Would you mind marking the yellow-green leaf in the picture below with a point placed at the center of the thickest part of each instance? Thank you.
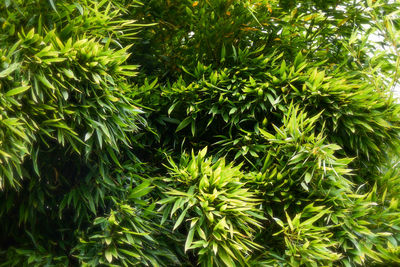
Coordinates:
(17, 90)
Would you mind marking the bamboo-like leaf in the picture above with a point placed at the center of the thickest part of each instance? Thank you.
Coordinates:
(180, 218)
(189, 238)
(10, 69)
(108, 255)
(183, 124)
(17, 90)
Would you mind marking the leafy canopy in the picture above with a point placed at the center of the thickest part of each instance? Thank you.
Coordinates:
(211, 133)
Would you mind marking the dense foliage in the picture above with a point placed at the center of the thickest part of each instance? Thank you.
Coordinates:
(211, 133)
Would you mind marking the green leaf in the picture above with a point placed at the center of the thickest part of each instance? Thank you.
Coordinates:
(17, 90)
(225, 258)
(9, 70)
(46, 82)
(53, 5)
(108, 255)
(180, 218)
(184, 123)
(129, 253)
(113, 156)
(141, 190)
(307, 177)
(266, 134)
(223, 53)
(189, 238)
(171, 108)
(69, 73)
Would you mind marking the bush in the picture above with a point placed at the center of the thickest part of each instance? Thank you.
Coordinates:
(65, 118)
(287, 109)
(222, 212)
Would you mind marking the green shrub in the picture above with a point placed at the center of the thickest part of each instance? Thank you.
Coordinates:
(64, 119)
(286, 106)
(221, 213)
